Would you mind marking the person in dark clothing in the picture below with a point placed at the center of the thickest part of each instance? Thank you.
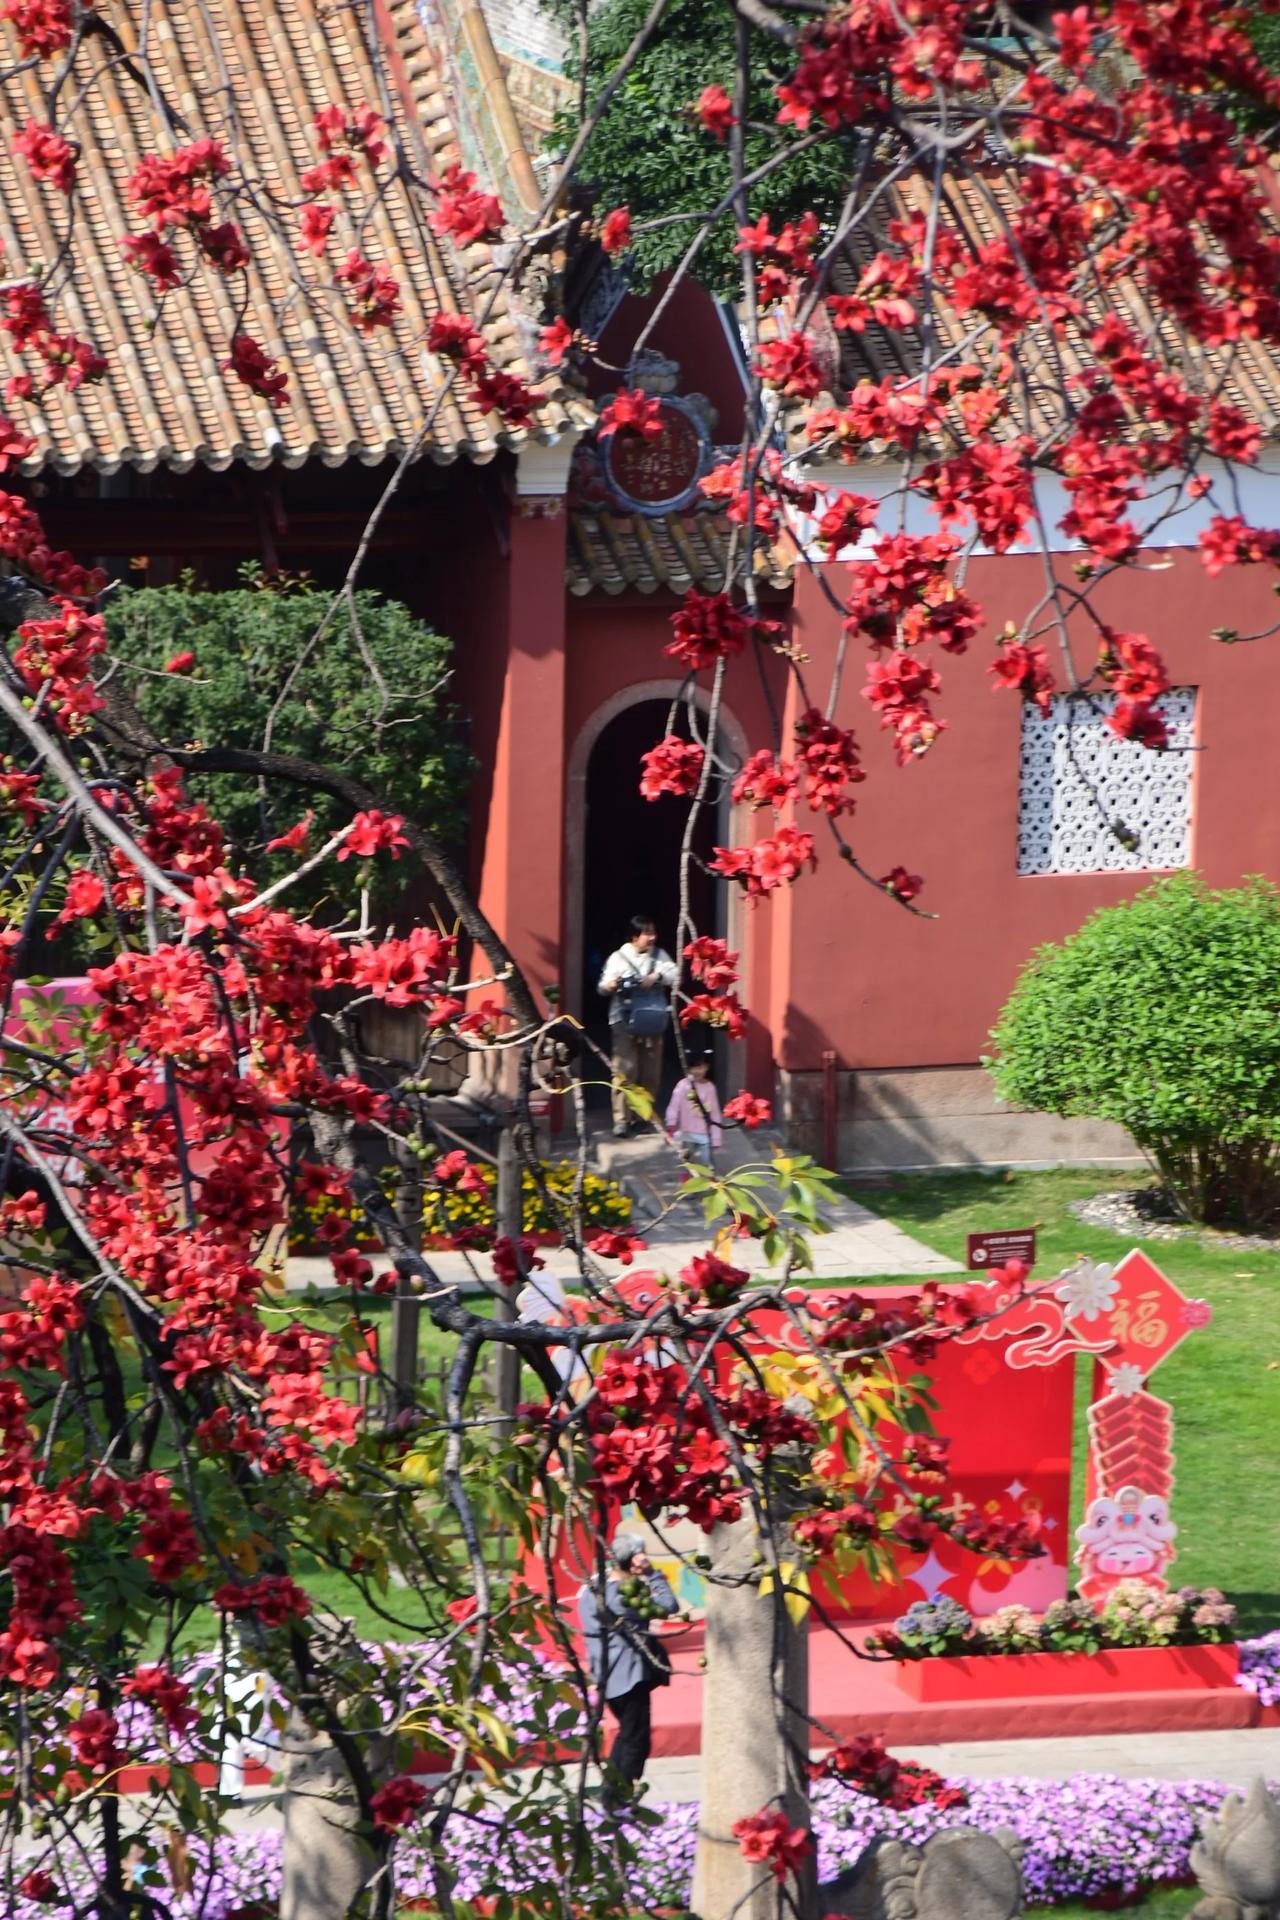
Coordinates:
(625, 1661)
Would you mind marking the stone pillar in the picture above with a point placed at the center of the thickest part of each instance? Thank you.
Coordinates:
(755, 1733)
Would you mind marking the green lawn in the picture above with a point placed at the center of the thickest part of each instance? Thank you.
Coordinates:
(1158, 1906)
(1223, 1383)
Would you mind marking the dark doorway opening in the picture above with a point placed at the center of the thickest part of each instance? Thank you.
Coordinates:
(631, 857)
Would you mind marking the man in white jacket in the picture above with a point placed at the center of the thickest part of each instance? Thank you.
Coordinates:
(640, 967)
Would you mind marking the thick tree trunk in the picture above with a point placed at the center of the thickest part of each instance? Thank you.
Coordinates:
(326, 1862)
(755, 1734)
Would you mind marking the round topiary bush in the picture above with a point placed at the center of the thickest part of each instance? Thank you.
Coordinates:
(1164, 1015)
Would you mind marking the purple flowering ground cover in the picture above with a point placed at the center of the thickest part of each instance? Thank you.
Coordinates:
(1091, 1834)
(1088, 1835)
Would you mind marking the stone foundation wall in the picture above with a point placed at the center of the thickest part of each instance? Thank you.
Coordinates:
(927, 1117)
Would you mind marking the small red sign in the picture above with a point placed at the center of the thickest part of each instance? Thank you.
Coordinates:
(997, 1249)
(656, 473)
(1147, 1316)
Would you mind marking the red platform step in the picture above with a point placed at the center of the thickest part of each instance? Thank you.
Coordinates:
(849, 1695)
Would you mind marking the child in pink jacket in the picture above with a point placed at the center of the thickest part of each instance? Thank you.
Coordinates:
(693, 1111)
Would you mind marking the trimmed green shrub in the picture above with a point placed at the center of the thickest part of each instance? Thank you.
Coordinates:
(1164, 1014)
(366, 699)
(652, 155)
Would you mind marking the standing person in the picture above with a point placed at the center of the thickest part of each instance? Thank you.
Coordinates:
(693, 1111)
(637, 981)
(626, 1662)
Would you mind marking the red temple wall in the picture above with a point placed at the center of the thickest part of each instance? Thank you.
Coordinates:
(884, 988)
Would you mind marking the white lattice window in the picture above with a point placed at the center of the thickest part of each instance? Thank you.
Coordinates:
(1091, 803)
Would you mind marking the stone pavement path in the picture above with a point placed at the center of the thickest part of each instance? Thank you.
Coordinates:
(1234, 1756)
(860, 1245)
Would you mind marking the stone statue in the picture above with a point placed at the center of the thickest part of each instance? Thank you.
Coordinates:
(1237, 1859)
(958, 1872)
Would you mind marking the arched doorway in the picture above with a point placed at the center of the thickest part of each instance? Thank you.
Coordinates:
(624, 850)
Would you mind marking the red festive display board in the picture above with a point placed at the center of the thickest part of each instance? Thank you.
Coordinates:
(1004, 1397)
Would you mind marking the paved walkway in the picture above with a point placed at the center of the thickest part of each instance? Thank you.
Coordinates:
(860, 1246)
(1235, 1758)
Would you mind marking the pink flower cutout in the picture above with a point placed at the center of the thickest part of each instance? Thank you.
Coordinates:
(1196, 1313)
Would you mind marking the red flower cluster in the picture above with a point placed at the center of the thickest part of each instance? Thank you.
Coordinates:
(462, 211)
(884, 295)
(615, 231)
(630, 411)
(166, 1693)
(175, 193)
(898, 688)
(93, 1740)
(343, 138)
(712, 1282)
(769, 1839)
(714, 109)
(1024, 668)
(715, 1010)
(904, 595)
(769, 863)
(750, 1109)
(373, 832)
(865, 1765)
(711, 962)
(614, 1243)
(67, 360)
(48, 155)
(707, 627)
(902, 885)
(375, 292)
(674, 766)
(394, 1805)
(255, 369)
(55, 656)
(828, 764)
(43, 27)
(766, 780)
(272, 1599)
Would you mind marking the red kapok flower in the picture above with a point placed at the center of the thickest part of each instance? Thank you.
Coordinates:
(715, 110)
(397, 1802)
(901, 884)
(180, 662)
(630, 411)
(314, 223)
(673, 766)
(770, 1839)
(373, 832)
(615, 233)
(751, 1109)
(555, 341)
(48, 155)
(256, 370)
(707, 628)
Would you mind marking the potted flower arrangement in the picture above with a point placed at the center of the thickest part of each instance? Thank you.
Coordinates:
(459, 1209)
(1141, 1641)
